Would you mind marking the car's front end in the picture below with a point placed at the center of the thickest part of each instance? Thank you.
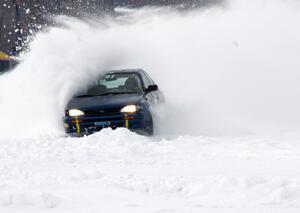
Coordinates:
(86, 121)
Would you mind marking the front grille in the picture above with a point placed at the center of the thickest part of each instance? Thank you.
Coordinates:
(102, 112)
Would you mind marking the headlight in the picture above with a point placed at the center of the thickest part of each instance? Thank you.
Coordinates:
(129, 109)
(75, 112)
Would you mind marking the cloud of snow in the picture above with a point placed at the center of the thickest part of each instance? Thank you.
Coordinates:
(232, 69)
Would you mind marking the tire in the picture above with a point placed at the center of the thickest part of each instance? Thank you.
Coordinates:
(150, 129)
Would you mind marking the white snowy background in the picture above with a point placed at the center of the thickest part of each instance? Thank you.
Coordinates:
(228, 139)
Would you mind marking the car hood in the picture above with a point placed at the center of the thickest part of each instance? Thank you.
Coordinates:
(104, 102)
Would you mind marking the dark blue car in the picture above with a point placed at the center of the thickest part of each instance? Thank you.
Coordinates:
(121, 98)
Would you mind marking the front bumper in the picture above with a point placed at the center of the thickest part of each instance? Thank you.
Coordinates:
(89, 124)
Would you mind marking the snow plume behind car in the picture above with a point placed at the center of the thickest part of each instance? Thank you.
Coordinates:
(228, 69)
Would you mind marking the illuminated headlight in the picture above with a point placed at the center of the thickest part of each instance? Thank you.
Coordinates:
(129, 109)
(75, 112)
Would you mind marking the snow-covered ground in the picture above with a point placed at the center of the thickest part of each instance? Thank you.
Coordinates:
(118, 171)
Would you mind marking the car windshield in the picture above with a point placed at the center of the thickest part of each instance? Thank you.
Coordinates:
(115, 83)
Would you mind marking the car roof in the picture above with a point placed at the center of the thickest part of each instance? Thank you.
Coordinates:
(126, 71)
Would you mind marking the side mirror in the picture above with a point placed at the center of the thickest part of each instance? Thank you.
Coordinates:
(151, 88)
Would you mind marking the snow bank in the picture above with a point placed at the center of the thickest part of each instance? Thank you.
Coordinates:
(116, 171)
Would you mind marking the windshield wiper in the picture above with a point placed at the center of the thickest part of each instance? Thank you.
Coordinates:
(108, 93)
(84, 96)
(116, 93)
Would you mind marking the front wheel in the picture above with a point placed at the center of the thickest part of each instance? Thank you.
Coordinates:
(149, 128)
